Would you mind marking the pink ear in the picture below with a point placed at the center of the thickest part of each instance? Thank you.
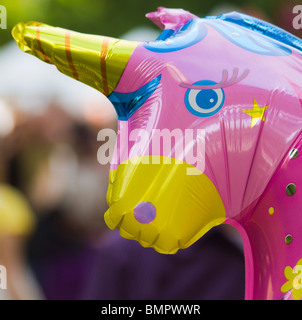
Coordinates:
(170, 18)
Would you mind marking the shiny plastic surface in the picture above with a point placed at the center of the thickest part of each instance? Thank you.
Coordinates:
(220, 97)
(95, 60)
(274, 234)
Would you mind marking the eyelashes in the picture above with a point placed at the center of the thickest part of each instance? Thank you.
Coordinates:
(222, 84)
(205, 98)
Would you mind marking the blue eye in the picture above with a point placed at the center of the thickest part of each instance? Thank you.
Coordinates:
(204, 103)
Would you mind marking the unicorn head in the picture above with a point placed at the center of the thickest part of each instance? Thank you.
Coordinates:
(207, 114)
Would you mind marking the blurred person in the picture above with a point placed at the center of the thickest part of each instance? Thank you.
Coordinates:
(63, 247)
(17, 222)
(16, 225)
(51, 157)
(26, 152)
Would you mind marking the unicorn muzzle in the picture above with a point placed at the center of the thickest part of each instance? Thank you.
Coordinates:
(94, 60)
(160, 205)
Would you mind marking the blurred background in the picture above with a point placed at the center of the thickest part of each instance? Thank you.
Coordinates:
(53, 240)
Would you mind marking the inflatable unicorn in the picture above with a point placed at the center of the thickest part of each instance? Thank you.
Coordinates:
(228, 89)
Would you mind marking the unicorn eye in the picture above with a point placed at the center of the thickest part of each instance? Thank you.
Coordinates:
(204, 103)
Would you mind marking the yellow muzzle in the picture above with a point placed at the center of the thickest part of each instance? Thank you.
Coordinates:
(160, 205)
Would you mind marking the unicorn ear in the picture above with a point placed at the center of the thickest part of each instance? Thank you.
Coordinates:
(94, 60)
(170, 18)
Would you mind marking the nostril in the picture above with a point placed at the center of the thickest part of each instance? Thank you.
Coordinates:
(144, 212)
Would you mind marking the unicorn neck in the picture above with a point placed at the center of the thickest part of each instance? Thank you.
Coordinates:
(271, 229)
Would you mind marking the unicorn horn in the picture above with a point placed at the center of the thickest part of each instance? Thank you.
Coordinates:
(94, 60)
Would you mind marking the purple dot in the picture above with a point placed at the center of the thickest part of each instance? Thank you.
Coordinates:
(144, 212)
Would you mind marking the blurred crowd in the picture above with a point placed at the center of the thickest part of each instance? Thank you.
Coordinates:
(48, 160)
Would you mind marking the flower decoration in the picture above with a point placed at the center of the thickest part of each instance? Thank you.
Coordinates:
(294, 283)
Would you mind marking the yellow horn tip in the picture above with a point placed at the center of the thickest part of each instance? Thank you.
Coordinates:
(94, 60)
(17, 33)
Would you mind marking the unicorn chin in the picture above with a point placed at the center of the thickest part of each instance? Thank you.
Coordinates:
(136, 207)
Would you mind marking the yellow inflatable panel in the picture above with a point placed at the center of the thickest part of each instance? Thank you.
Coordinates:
(142, 198)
